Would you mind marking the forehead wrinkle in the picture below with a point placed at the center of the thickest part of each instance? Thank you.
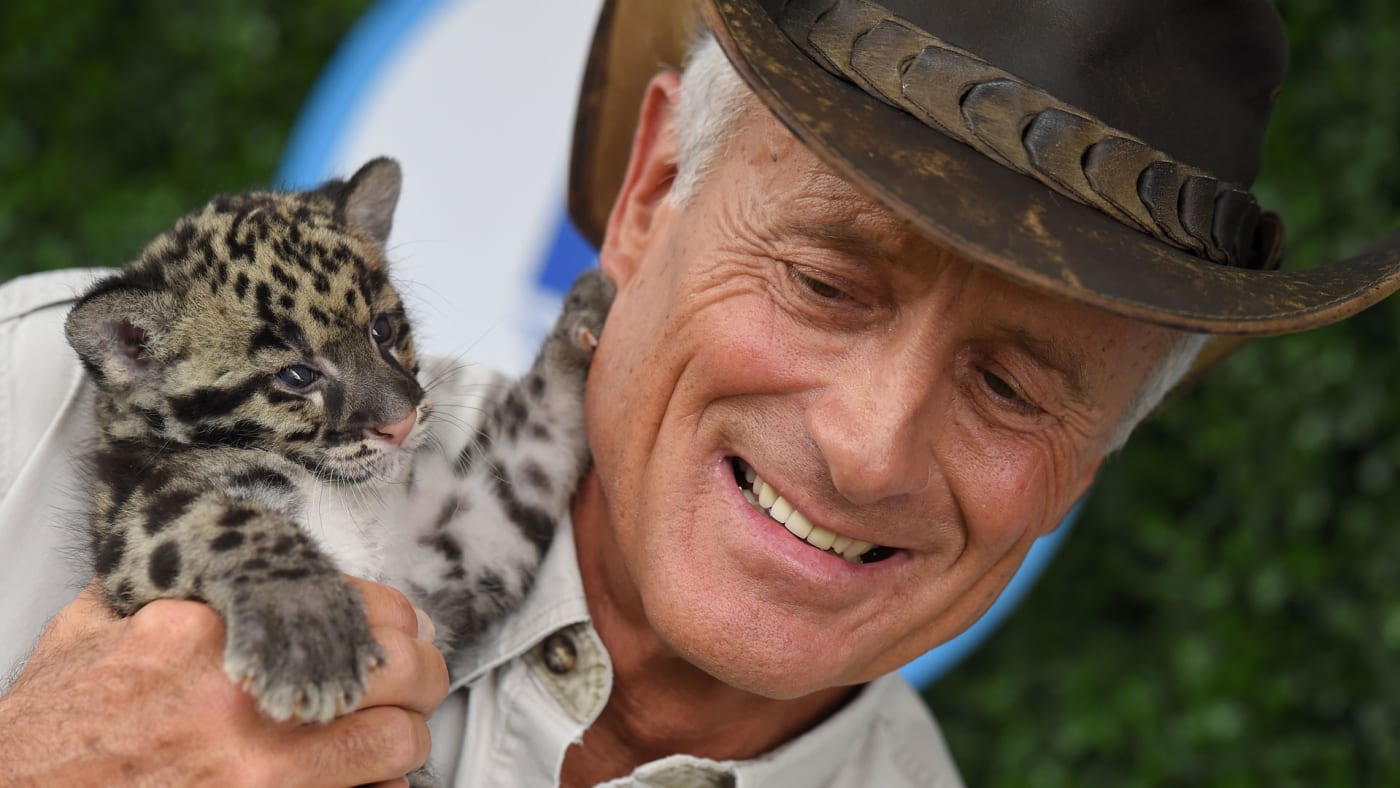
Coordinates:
(862, 230)
(846, 234)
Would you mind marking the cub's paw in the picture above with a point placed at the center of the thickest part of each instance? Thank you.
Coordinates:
(580, 322)
(422, 778)
(301, 647)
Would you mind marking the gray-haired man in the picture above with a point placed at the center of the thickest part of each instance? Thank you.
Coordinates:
(892, 280)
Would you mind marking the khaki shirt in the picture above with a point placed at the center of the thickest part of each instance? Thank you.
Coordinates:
(534, 684)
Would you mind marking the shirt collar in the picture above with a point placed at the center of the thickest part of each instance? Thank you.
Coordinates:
(886, 725)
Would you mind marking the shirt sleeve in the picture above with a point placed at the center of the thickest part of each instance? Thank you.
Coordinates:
(45, 427)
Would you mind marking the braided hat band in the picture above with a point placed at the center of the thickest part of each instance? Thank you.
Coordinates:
(1027, 130)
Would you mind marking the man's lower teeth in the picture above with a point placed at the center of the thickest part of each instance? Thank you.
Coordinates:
(765, 498)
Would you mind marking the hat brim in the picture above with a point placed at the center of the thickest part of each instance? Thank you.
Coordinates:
(952, 194)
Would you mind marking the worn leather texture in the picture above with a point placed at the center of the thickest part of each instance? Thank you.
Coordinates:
(1178, 90)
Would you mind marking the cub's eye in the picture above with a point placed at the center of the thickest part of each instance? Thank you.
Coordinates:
(382, 330)
(298, 376)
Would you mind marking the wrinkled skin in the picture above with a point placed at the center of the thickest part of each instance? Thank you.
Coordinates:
(890, 391)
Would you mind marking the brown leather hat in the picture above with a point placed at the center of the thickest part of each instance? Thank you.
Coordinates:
(1101, 150)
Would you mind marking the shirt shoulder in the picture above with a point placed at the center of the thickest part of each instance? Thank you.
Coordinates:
(37, 368)
(45, 421)
(27, 295)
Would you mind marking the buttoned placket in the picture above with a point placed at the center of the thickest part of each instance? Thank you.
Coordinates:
(571, 665)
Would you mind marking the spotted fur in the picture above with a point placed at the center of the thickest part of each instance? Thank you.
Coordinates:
(255, 360)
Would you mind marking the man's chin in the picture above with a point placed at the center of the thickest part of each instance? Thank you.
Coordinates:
(779, 664)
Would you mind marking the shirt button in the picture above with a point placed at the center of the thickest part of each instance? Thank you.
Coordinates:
(559, 653)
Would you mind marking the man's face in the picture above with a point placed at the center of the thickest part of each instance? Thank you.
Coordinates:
(888, 391)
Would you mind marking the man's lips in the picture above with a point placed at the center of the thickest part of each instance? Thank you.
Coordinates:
(770, 502)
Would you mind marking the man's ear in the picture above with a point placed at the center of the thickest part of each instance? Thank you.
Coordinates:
(651, 171)
(115, 328)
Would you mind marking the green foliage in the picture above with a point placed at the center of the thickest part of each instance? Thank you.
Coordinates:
(119, 117)
(1226, 611)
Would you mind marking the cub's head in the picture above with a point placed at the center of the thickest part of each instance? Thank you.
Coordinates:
(264, 321)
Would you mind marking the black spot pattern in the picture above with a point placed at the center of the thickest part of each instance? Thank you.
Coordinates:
(536, 477)
(110, 551)
(165, 565)
(166, 508)
(236, 518)
(226, 541)
(208, 402)
(535, 524)
(261, 477)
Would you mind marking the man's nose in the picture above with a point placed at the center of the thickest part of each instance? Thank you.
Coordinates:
(873, 428)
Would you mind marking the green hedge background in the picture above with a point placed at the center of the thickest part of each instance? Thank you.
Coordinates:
(1226, 611)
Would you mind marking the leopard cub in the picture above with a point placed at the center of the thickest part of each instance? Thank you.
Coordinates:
(254, 360)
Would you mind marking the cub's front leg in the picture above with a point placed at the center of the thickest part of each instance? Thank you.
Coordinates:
(476, 525)
(297, 638)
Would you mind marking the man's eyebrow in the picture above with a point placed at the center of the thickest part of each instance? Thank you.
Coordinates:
(1067, 362)
(843, 235)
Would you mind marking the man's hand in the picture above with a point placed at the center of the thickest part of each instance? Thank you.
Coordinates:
(144, 700)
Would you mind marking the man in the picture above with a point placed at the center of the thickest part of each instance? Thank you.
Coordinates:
(860, 359)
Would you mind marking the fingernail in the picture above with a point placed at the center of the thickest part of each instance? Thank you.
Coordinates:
(426, 630)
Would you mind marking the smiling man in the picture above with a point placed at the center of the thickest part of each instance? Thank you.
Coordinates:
(825, 448)
(893, 278)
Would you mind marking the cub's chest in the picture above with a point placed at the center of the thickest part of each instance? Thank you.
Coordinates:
(350, 524)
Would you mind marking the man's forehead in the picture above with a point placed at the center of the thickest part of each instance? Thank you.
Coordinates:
(811, 203)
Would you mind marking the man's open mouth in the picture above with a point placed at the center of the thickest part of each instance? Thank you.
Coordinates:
(764, 497)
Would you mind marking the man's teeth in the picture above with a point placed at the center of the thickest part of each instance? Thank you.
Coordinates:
(765, 497)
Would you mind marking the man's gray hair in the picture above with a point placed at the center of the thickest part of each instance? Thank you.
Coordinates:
(1180, 356)
(713, 96)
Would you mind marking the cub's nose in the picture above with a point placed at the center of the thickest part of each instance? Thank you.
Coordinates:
(395, 433)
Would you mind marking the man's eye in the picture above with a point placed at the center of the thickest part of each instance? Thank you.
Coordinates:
(817, 287)
(1005, 390)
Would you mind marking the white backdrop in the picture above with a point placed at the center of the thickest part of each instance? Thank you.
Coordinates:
(475, 99)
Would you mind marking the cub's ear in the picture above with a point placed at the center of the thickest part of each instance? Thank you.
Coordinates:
(369, 198)
(117, 329)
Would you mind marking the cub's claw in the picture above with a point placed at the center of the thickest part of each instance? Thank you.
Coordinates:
(302, 648)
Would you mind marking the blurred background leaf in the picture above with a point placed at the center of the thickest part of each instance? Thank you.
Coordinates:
(1226, 611)
(119, 117)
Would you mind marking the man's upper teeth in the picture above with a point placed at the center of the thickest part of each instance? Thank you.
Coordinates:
(779, 509)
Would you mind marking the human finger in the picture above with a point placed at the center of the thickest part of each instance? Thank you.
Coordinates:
(414, 675)
(368, 746)
(386, 606)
